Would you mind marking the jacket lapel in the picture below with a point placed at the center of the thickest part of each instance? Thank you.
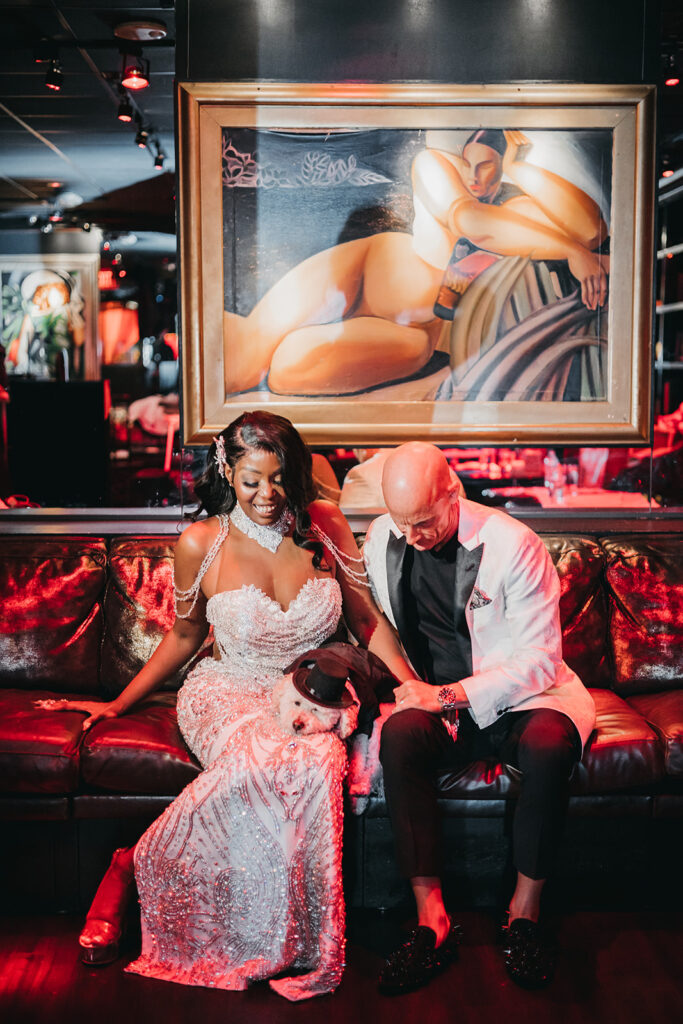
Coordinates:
(466, 568)
(396, 554)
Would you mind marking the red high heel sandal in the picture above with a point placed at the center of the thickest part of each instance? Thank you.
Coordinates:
(99, 940)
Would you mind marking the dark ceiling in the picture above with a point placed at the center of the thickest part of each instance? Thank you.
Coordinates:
(71, 141)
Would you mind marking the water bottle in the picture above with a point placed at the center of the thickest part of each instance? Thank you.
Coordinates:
(553, 476)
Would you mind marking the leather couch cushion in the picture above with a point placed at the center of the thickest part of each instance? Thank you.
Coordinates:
(39, 750)
(664, 712)
(481, 780)
(51, 623)
(138, 608)
(140, 752)
(622, 753)
(580, 565)
(645, 583)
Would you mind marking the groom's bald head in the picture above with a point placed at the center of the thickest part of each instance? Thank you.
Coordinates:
(421, 493)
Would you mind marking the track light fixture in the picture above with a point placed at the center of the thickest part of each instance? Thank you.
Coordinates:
(125, 113)
(134, 72)
(141, 138)
(671, 73)
(54, 76)
(159, 159)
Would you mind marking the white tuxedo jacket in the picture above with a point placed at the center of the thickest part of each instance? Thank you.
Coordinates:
(510, 591)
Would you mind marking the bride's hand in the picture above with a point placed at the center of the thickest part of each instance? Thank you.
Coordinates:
(95, 709)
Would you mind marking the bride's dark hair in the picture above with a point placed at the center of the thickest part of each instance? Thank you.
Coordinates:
(263, 431)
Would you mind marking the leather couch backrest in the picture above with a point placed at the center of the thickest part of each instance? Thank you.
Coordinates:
(621, 609)
(138, 608)
(580, 564)
(644, 577)
(51, 592)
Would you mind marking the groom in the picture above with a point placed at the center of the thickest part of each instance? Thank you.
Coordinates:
(475, 599)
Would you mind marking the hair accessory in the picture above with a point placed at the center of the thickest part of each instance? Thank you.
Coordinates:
(269, 537)
(219, 458)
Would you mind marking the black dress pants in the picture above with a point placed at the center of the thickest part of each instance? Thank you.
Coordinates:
(415, 745)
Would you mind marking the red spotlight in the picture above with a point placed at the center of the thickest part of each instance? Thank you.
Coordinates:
(672, 81)
(667, 173)
(125, 113)
(54, 76)
(135, 74)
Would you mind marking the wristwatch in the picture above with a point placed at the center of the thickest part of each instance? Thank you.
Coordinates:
(447, 699)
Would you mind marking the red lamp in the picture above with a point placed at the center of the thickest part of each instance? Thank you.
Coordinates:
(134, 73)
(54, 76)
(125, 113)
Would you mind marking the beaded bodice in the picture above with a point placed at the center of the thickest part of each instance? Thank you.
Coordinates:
(257, 637)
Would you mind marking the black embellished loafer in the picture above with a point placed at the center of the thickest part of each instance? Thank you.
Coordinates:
(418, 960)
(529, 953)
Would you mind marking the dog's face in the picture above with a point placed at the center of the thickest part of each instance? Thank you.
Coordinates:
(303, 717)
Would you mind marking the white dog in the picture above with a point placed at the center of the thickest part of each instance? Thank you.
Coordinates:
(302, 716)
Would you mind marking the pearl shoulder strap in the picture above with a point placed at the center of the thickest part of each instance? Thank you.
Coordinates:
(343, 560)
(192, 593)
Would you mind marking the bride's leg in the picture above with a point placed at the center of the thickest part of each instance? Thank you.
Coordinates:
(99, 940)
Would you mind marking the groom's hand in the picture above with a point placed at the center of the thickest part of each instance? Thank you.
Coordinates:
(416, 694)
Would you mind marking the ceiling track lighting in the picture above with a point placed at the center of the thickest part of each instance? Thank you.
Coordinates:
(159, 161)
(126, 113)
(141, 138)
(670, 69)
(134, 72)
(53, 76)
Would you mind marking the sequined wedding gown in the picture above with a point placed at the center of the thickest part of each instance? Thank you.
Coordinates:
(240, 877)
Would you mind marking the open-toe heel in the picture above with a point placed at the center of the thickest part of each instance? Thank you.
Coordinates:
(99, 940)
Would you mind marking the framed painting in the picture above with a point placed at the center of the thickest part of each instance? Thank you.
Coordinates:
(49, 314)
(460, 264)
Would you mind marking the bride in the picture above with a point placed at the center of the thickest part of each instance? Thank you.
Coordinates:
(240, 878)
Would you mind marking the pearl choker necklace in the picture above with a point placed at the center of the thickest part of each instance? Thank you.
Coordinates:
(269, 537)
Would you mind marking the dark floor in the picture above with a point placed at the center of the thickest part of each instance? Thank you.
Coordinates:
(614, 967)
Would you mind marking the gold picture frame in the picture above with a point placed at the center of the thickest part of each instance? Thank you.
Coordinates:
(604, 369)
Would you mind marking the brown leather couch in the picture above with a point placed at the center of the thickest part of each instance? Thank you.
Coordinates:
(81, 615)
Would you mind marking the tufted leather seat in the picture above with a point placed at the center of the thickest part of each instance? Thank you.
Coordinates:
(39, 752)
(141, 752)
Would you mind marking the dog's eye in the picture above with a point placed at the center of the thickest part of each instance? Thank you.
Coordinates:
(297, 703)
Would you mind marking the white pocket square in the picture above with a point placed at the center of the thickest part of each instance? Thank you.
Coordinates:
(479, 599)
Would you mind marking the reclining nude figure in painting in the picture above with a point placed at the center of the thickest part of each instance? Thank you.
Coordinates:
(336, 322)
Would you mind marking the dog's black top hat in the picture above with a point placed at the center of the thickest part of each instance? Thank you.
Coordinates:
(321, 676)
(370, 677)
